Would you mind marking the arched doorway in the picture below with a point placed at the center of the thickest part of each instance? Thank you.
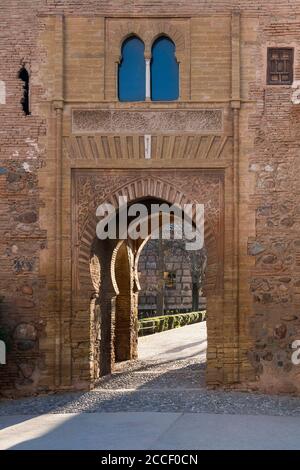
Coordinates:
(116, 292)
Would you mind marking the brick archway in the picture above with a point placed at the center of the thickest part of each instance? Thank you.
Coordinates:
(113, 257)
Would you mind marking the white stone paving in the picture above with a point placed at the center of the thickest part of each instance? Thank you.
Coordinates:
(166, 431)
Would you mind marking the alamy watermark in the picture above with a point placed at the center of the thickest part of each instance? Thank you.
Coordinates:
(2, 352)
(139, 221)
(296, 354)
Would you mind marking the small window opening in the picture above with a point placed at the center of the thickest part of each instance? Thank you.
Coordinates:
(280, 66)
(170, 279)
(24, 76)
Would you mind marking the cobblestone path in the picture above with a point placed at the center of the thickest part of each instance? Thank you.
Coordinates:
(159, 384)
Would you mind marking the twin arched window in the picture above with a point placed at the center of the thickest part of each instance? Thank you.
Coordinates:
(162, 72)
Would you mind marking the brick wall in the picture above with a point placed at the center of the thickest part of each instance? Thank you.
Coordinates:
(178, 297)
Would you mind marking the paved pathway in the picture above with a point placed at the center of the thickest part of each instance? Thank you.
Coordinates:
(159, 401)
(121, 431)
(182, 343)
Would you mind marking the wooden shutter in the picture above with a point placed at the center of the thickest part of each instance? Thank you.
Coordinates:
(280, 66)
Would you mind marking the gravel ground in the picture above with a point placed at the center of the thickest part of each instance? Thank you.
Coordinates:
(156, 386)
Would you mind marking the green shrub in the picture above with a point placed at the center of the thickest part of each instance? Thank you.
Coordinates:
(149, 326)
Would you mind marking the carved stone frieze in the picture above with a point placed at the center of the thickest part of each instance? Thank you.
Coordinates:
(147, 122)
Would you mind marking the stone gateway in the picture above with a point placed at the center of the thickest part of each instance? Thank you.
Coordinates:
(90, 112)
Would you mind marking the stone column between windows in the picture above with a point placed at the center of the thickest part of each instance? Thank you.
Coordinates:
(148, 78)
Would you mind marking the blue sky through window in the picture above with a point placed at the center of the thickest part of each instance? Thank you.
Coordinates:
(164, 71)
(132, 71)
